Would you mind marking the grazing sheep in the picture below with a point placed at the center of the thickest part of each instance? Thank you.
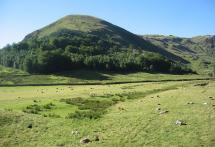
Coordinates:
(97, 138)
(164, 112)
(75, 132)
(30, 126)
(180, 122)
(158, 109)
(92, 94)
(190, 103)
(121, 108)
(85, 140)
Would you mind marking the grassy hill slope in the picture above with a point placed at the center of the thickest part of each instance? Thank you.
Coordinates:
(87, 25)
(198, 50)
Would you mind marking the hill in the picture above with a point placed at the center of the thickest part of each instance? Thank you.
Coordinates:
(206, 43)
(199, 51)
(91, 28)
(77, 41)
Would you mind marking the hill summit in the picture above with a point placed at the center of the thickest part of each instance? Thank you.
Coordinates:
(89, 27)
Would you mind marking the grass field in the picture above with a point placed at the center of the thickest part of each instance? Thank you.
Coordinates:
(119, 114)
(11, 77)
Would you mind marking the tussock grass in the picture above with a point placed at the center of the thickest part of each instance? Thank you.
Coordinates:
(88, 108)
(6, 119)
(95, 107)
(53, 115)
(37, 109)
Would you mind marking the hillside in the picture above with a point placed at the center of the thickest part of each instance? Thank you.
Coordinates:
(198, 50)
(206, 43)
(92, 27)
(77, 42)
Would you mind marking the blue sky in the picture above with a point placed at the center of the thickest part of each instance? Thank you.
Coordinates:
(184, 18)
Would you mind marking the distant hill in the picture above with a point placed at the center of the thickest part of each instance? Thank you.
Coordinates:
(106, 36)
(199, 51)
(78, 41)
(206, 43)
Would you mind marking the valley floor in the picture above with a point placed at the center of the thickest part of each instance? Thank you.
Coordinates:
(143, 114)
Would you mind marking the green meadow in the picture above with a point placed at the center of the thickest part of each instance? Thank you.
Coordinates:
(130, 114)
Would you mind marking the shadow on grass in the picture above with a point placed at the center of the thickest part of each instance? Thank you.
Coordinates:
(85, 75)
(78, 74)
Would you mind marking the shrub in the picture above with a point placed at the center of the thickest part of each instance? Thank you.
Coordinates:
(84, 104)
(48, 106)
(118, 99)
(88, 108)
(53, 115)
(82, 114)
(36, 109)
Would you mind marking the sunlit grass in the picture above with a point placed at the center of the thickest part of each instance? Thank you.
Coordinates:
(132, 121)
